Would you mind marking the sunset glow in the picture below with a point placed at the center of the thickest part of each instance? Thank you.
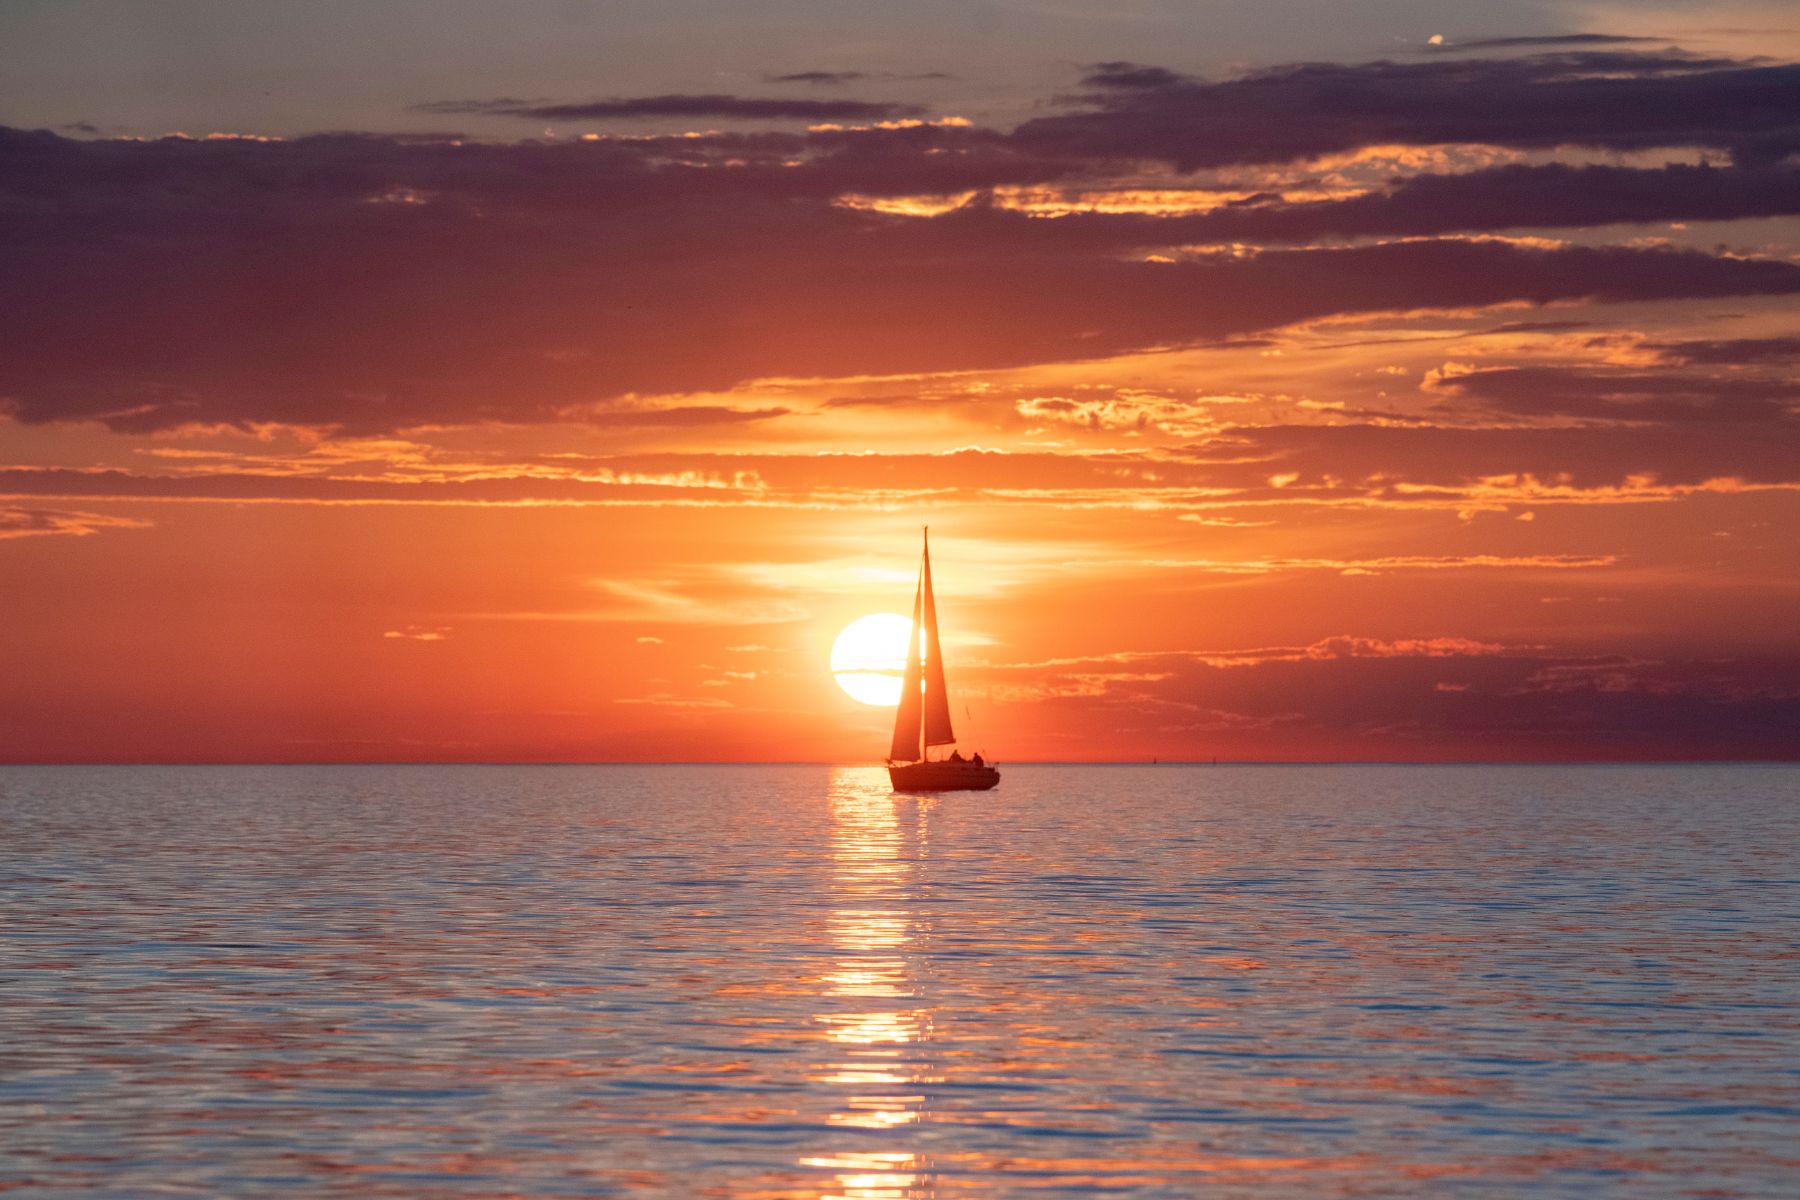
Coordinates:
(852, 601)
(1266, 401)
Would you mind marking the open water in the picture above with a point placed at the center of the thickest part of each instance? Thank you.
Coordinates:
(783, 982)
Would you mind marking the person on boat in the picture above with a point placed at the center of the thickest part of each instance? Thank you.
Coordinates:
(956, 756)
(977, 759)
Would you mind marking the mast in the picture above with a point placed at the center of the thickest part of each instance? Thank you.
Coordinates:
(905, 747)
(937, 698)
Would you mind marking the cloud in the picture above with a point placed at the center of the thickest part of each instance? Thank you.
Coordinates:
(820, 77)
(834, 78)
(1376, 565)
(1123, 409)
(1729, 352)
(368, 284)
(670, 700)
(418, 633)
(44, 522)
(1350, 646)
(165, 284)
(1484, 703)
(710, 105)
(1540, 326)
(1609, 394)
(1324, 649)
(687, 416)
(1129, 76)
(1597, 459)
(1512, 197)
(1607, 99)
(1223, 477)
(1554, 39)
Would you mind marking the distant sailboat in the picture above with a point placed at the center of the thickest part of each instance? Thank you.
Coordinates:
(923, 718)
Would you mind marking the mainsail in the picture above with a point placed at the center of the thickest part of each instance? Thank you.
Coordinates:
(906, 717)
(923, 718)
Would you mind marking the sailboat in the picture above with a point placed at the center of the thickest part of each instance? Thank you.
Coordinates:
(923, 718)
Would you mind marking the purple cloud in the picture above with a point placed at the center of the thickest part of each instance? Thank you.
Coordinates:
(1604, 99)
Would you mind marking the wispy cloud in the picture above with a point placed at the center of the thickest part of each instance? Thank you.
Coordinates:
(1323, 650)
(1541, 40)
(819, 77)
(1366, 566)
(46, 522)
(711, 105)
(419, 633)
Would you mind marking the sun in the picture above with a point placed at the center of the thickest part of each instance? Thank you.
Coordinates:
(869, 657)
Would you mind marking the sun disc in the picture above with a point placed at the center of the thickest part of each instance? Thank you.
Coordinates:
(868, 660)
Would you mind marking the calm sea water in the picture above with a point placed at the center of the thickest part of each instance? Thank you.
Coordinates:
(788, 982)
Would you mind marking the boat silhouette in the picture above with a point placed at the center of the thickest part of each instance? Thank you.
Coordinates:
(922, 720)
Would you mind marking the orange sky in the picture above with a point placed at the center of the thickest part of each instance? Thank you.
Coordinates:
(377, 449)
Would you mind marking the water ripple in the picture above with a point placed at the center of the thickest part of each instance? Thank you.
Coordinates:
(777, 983)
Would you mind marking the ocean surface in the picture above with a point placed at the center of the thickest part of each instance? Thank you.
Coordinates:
(784, 982)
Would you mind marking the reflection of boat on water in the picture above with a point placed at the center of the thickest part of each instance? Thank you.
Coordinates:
(923, 718)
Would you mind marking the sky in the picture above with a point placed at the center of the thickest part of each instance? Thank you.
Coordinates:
(553, 381)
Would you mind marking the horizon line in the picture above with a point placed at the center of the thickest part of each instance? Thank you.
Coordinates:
(1033, 762)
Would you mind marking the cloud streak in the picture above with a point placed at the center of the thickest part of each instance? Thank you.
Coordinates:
(825, 78)
(1552, 196)
(43, 522)
(1620, 395)
(709, 106)
(1541, 40)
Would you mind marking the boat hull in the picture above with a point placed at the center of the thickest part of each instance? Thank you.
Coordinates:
(942, 777)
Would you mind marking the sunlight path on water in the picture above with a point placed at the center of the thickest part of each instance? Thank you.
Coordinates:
(875, 1032)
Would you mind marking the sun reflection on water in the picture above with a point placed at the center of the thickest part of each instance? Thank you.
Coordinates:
(873, 1019)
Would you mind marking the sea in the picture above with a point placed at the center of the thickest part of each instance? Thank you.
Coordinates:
(785, 982)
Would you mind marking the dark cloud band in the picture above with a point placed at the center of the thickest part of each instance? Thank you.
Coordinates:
(1620, 101)
(375, 282)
